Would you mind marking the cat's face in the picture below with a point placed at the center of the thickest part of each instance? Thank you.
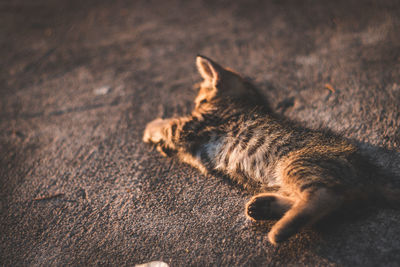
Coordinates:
(221, 85)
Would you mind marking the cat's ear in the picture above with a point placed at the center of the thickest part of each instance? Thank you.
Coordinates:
(209, 70)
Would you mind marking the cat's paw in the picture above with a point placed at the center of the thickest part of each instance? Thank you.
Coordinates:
(154, 132)
(276, 236)
(259, 208)
(266, 207)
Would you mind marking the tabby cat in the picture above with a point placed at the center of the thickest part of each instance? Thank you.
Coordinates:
(303, 174)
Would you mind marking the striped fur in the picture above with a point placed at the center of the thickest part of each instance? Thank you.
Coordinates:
(232, 132)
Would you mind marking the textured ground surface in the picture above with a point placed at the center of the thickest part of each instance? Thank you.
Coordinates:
(80, 79)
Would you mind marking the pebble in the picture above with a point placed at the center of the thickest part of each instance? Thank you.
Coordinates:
(102, 90)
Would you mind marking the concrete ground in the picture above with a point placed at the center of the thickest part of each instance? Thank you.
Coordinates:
(79, 80)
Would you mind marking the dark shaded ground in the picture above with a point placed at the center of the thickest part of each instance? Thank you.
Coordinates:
(121, 202)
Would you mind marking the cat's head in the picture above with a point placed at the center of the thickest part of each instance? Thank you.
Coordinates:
(222, 85)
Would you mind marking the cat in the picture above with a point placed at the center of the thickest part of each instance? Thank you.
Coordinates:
(303, 175)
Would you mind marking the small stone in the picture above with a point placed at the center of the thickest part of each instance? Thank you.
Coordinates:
(102, 90)
(153, 264)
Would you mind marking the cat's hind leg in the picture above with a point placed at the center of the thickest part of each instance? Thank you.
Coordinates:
(308, 209)
(267, 206)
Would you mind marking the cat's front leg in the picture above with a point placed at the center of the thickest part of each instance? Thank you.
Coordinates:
(156, 133)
